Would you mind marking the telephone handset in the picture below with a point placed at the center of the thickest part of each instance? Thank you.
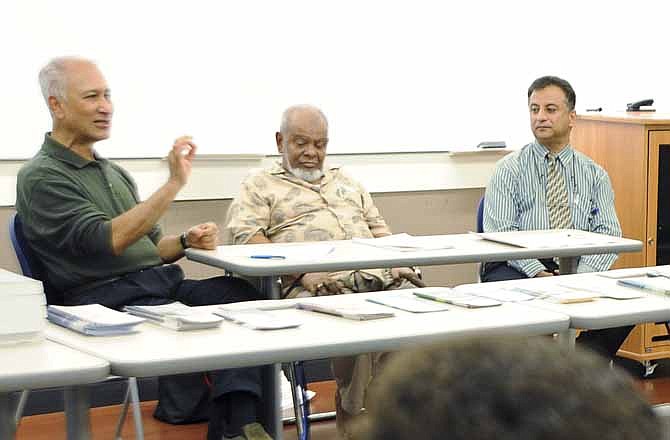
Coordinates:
(636, 106)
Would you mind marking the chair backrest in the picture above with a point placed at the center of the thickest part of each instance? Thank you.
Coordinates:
(480, 215)
(31, 266)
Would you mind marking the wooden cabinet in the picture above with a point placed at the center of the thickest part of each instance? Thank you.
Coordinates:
(634, 149)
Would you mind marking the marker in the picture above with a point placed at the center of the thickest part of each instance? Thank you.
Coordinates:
(268, 257)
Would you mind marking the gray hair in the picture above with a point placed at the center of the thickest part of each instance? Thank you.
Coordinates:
(288, 114)
(52, 76)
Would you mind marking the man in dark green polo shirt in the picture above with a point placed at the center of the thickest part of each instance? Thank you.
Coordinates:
(100, 244)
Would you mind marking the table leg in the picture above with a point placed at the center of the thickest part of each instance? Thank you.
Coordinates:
(270, 289)
(7, 413)
(567, 265)
(567, 338)
(77, 405)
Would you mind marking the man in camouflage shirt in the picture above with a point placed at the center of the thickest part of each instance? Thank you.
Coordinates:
(299, 200)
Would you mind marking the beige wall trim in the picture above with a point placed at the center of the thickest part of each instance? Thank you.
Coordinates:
(218, 176)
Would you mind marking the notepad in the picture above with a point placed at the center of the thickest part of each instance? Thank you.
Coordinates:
(407, 302)
(450, 296)
(93, 319)
(258, 319)
(176, 316)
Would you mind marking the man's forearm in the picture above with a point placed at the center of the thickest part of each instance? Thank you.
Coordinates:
(138, 221)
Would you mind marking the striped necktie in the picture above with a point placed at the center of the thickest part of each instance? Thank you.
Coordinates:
(557, 196)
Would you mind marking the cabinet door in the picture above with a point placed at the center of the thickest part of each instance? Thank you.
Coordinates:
(659, 161)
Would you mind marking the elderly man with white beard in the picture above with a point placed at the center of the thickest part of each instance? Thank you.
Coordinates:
(299, 200)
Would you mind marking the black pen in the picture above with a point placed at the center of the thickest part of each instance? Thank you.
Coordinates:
(597, 109)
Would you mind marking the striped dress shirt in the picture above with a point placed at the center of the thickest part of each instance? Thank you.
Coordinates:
(516, 200)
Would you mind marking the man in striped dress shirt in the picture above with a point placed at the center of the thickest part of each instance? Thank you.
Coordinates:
(548, 185)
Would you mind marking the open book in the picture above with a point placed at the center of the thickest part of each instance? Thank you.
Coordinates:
(93, 319)
(350, 308)
(455, 297)
(176, 316)
(557, 293)
(407, 243)
(407, 302)
(597, 288)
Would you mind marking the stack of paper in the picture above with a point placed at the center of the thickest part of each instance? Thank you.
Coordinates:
(93, 319)
(23, 306)
(457, 298)
(176, 316)
(551, 238)
(258, 319)
(407, 243)
(347, 306)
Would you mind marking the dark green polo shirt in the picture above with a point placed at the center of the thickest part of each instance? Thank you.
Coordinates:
(66, 204)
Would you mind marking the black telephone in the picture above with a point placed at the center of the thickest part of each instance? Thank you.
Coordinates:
(635, 106)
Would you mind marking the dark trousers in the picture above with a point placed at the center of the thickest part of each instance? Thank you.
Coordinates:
(605, 341)
(165, 284)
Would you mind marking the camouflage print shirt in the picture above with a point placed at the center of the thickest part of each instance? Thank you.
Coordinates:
(286, 209)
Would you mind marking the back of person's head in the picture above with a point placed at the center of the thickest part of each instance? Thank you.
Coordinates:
(546, 81)
(525, 389)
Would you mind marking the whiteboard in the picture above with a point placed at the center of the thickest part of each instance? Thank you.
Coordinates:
(392, 76)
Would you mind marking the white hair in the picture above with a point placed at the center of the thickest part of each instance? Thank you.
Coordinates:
(52, 76)
(288, 113)
(301, 173)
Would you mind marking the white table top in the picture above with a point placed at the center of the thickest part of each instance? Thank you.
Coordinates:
(602, 312)
(467, 248)
(159, 351)
(47, 364)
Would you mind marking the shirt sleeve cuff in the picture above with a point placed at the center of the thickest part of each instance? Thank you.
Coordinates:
(528, 267)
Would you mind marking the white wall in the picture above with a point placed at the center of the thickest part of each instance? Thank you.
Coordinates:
(391, 75)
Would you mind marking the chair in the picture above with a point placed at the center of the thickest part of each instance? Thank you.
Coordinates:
(480, 229)
(296, 376)
(480, 215)
(33, 268)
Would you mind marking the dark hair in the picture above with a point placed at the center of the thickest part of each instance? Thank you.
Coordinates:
(546, 81)
(505, 389)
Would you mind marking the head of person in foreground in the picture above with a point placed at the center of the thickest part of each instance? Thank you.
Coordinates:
(521, 389)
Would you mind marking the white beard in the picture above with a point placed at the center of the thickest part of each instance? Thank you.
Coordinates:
(303, 174)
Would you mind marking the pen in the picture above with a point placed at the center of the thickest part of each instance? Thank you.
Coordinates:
(642, 285)
(268, 257)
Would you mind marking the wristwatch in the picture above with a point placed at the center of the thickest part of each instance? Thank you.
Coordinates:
(182, 240)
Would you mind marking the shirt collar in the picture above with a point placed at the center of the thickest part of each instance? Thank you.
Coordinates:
(564, 156)
(60, 152)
